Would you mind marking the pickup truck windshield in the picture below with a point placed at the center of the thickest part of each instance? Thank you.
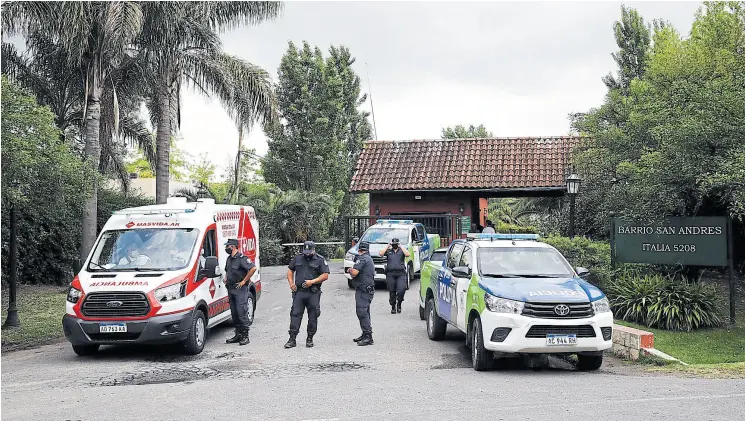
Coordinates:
(385, 235)
(152, 249)
(522, 262)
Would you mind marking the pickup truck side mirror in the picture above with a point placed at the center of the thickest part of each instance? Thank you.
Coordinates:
(582, 272)
(462, 271)
(210, 269)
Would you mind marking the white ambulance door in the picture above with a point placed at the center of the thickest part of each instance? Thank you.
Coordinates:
(213, 289)
(461, 286)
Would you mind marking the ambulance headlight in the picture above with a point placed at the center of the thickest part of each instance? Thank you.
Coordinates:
(73, 295)
(503, 305)
(349, 256)
(171, 292)
(601, 306)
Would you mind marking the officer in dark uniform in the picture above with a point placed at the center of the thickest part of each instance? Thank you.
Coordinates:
(305, 274)
(238, 272)
(363, 277)
(395, 273)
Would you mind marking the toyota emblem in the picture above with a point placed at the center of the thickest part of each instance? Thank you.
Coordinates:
(561, 310)
(114, 304)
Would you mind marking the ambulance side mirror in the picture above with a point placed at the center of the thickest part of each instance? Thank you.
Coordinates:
(210, 267)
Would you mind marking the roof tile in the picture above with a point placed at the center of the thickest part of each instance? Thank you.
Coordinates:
(463, 163)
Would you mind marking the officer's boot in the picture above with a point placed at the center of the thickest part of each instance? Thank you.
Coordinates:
(244, 337)
(235, 338)
(361, 337)
(398, 306)
(393, 309)
(291, 342)
(309, 341)
(366, 340)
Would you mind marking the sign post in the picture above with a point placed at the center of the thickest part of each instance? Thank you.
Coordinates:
(688, 241)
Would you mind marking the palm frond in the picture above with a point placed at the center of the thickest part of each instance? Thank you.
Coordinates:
(226, 15)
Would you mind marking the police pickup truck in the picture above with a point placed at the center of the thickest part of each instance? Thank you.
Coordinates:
(511, 294)
(411, 235)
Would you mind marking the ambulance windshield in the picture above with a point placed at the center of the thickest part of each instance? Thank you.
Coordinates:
(149, 249)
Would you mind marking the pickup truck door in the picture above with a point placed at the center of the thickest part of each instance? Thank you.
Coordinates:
(461, 288)
(446, 285)
(416, 246)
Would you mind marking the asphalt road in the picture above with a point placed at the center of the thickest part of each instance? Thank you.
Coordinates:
(404, 376)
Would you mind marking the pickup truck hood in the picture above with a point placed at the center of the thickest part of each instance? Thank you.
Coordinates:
(549, 290)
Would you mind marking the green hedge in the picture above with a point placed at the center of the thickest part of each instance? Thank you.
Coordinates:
(503, 227)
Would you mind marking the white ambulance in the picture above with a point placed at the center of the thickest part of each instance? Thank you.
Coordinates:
(155, 276)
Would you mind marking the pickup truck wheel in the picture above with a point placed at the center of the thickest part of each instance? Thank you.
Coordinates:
(349, 284)
(589, 362)
(83, 350)
(436, 326)
(481, 357)
(409, 275)
(422, 313)
(194, 343)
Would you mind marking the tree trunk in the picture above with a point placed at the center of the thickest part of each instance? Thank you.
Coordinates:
(93, 154)
(238, 165)
(163, 146)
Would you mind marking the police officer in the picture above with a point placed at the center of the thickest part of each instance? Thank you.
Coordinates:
(363, 276)
(238, 272)
(305, 274)
(395, 273)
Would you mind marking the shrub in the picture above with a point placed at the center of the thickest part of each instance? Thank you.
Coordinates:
(665, 302)
(503, 227)
(581, 251)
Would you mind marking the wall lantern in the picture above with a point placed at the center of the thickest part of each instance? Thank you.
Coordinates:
(573, 183)
(461, 209)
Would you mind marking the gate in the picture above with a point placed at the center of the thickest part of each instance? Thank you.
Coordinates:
(447, 226)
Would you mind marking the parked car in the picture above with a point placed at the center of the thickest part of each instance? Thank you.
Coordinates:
(411, 235)
(513, 295)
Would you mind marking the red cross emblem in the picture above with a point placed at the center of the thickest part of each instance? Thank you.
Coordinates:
(212, 288)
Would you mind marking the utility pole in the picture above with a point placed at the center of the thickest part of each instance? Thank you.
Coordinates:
(372, 108)
(12, 319)
(237, 164)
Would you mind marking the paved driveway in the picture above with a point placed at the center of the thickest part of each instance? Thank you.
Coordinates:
(404, 376)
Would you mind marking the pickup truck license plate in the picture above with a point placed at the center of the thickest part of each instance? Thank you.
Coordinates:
(113, 328)
(561, 340)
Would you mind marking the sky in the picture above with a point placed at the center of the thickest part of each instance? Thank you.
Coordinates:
(518, 68)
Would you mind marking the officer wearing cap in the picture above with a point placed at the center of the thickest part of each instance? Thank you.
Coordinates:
(305, 274)
(395, 273)
(363, 277)
(238, 272)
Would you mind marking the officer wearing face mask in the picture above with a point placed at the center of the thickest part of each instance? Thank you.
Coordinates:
(395, 273)
(363, 277)
(305, 274)
(238, 272)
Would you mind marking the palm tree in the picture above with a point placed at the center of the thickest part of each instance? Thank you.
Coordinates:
(95, 37)
(182, 46)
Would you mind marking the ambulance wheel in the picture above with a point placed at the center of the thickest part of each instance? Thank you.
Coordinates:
(194, 343)
(481, 357)
(251, 308)
(589, 362)
(83, 350)
(436, 326)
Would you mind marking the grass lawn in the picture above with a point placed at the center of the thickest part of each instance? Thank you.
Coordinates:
(710, 346)
(40, 310)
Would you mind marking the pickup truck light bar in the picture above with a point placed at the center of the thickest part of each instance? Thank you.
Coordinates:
(493, 237)
(396, 221)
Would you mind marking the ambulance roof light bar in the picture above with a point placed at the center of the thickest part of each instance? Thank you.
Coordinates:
(151, 211)
(396, 221)
(492, 237)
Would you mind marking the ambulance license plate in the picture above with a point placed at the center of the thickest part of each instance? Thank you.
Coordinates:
(113, 328)
(561, 340)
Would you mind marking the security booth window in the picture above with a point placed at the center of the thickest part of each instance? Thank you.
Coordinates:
(153, 249)
(523, 262)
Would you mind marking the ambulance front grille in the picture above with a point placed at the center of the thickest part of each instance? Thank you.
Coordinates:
(115, 304)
